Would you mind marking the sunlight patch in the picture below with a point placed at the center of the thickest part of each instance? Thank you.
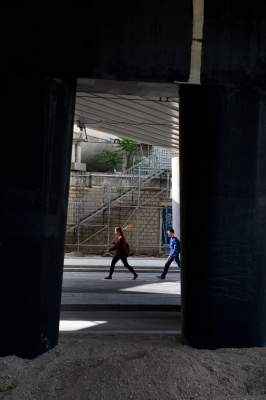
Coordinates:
(66, 325)
(160, 287)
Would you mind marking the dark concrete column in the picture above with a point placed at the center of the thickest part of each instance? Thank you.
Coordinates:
(36, 137)
(223, 216)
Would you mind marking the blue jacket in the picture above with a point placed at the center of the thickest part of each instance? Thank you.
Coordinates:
(174, 247)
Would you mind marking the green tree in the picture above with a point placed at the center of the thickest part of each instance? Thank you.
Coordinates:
(130, 147)
(110, 158)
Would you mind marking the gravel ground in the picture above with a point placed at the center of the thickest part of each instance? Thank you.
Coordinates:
(125, 366)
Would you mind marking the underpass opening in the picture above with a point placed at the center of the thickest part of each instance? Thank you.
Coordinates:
(147, 113)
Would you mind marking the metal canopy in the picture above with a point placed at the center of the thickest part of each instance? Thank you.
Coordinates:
(145, 112)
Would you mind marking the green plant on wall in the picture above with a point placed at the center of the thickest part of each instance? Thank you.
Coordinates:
(90, 169)
(110, 158)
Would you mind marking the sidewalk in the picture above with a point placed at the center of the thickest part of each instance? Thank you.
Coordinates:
(102, 264)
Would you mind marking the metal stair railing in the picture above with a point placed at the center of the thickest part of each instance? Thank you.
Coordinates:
(99, 199)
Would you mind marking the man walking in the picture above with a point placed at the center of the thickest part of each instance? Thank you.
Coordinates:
(173, 255)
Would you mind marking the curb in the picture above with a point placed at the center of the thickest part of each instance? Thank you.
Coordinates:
(88, 269)
(120, 307)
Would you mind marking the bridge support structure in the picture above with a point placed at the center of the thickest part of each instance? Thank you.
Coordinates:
(37, 124)
(223, 216)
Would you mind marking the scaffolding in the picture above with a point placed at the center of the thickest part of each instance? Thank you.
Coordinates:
(134, 181)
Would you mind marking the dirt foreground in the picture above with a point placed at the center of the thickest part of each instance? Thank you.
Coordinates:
(148, 367)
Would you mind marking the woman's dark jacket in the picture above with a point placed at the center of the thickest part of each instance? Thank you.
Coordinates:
(120, 247)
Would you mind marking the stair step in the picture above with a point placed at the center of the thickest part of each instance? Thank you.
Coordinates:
(143, 179)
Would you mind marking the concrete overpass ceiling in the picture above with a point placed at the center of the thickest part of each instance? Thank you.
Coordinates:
(145, 112)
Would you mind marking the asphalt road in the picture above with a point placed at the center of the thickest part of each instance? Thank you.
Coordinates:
(146, 305)
(152, 322)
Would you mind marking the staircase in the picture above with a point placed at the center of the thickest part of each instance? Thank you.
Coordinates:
(133, 179)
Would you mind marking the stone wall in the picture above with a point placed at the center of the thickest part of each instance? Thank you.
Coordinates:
(144, 215)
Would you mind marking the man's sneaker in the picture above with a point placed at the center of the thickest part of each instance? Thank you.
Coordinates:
(160, 277)
(108, 277)
(135, 277)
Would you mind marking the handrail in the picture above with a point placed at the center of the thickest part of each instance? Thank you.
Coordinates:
(115, 189)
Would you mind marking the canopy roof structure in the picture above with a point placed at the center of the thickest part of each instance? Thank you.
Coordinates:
(142, 111)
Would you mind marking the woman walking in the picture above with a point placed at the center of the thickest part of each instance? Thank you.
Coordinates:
(121, 253)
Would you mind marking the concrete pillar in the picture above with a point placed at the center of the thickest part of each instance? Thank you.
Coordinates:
(73, 154)
(175, 196)
(33, 209)
(223, 216)
(78, 153)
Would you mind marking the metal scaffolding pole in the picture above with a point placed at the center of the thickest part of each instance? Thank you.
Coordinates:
(138, 209)
(133, 181)
(109, 212)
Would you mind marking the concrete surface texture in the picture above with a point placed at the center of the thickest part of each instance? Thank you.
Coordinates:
(92, 304)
